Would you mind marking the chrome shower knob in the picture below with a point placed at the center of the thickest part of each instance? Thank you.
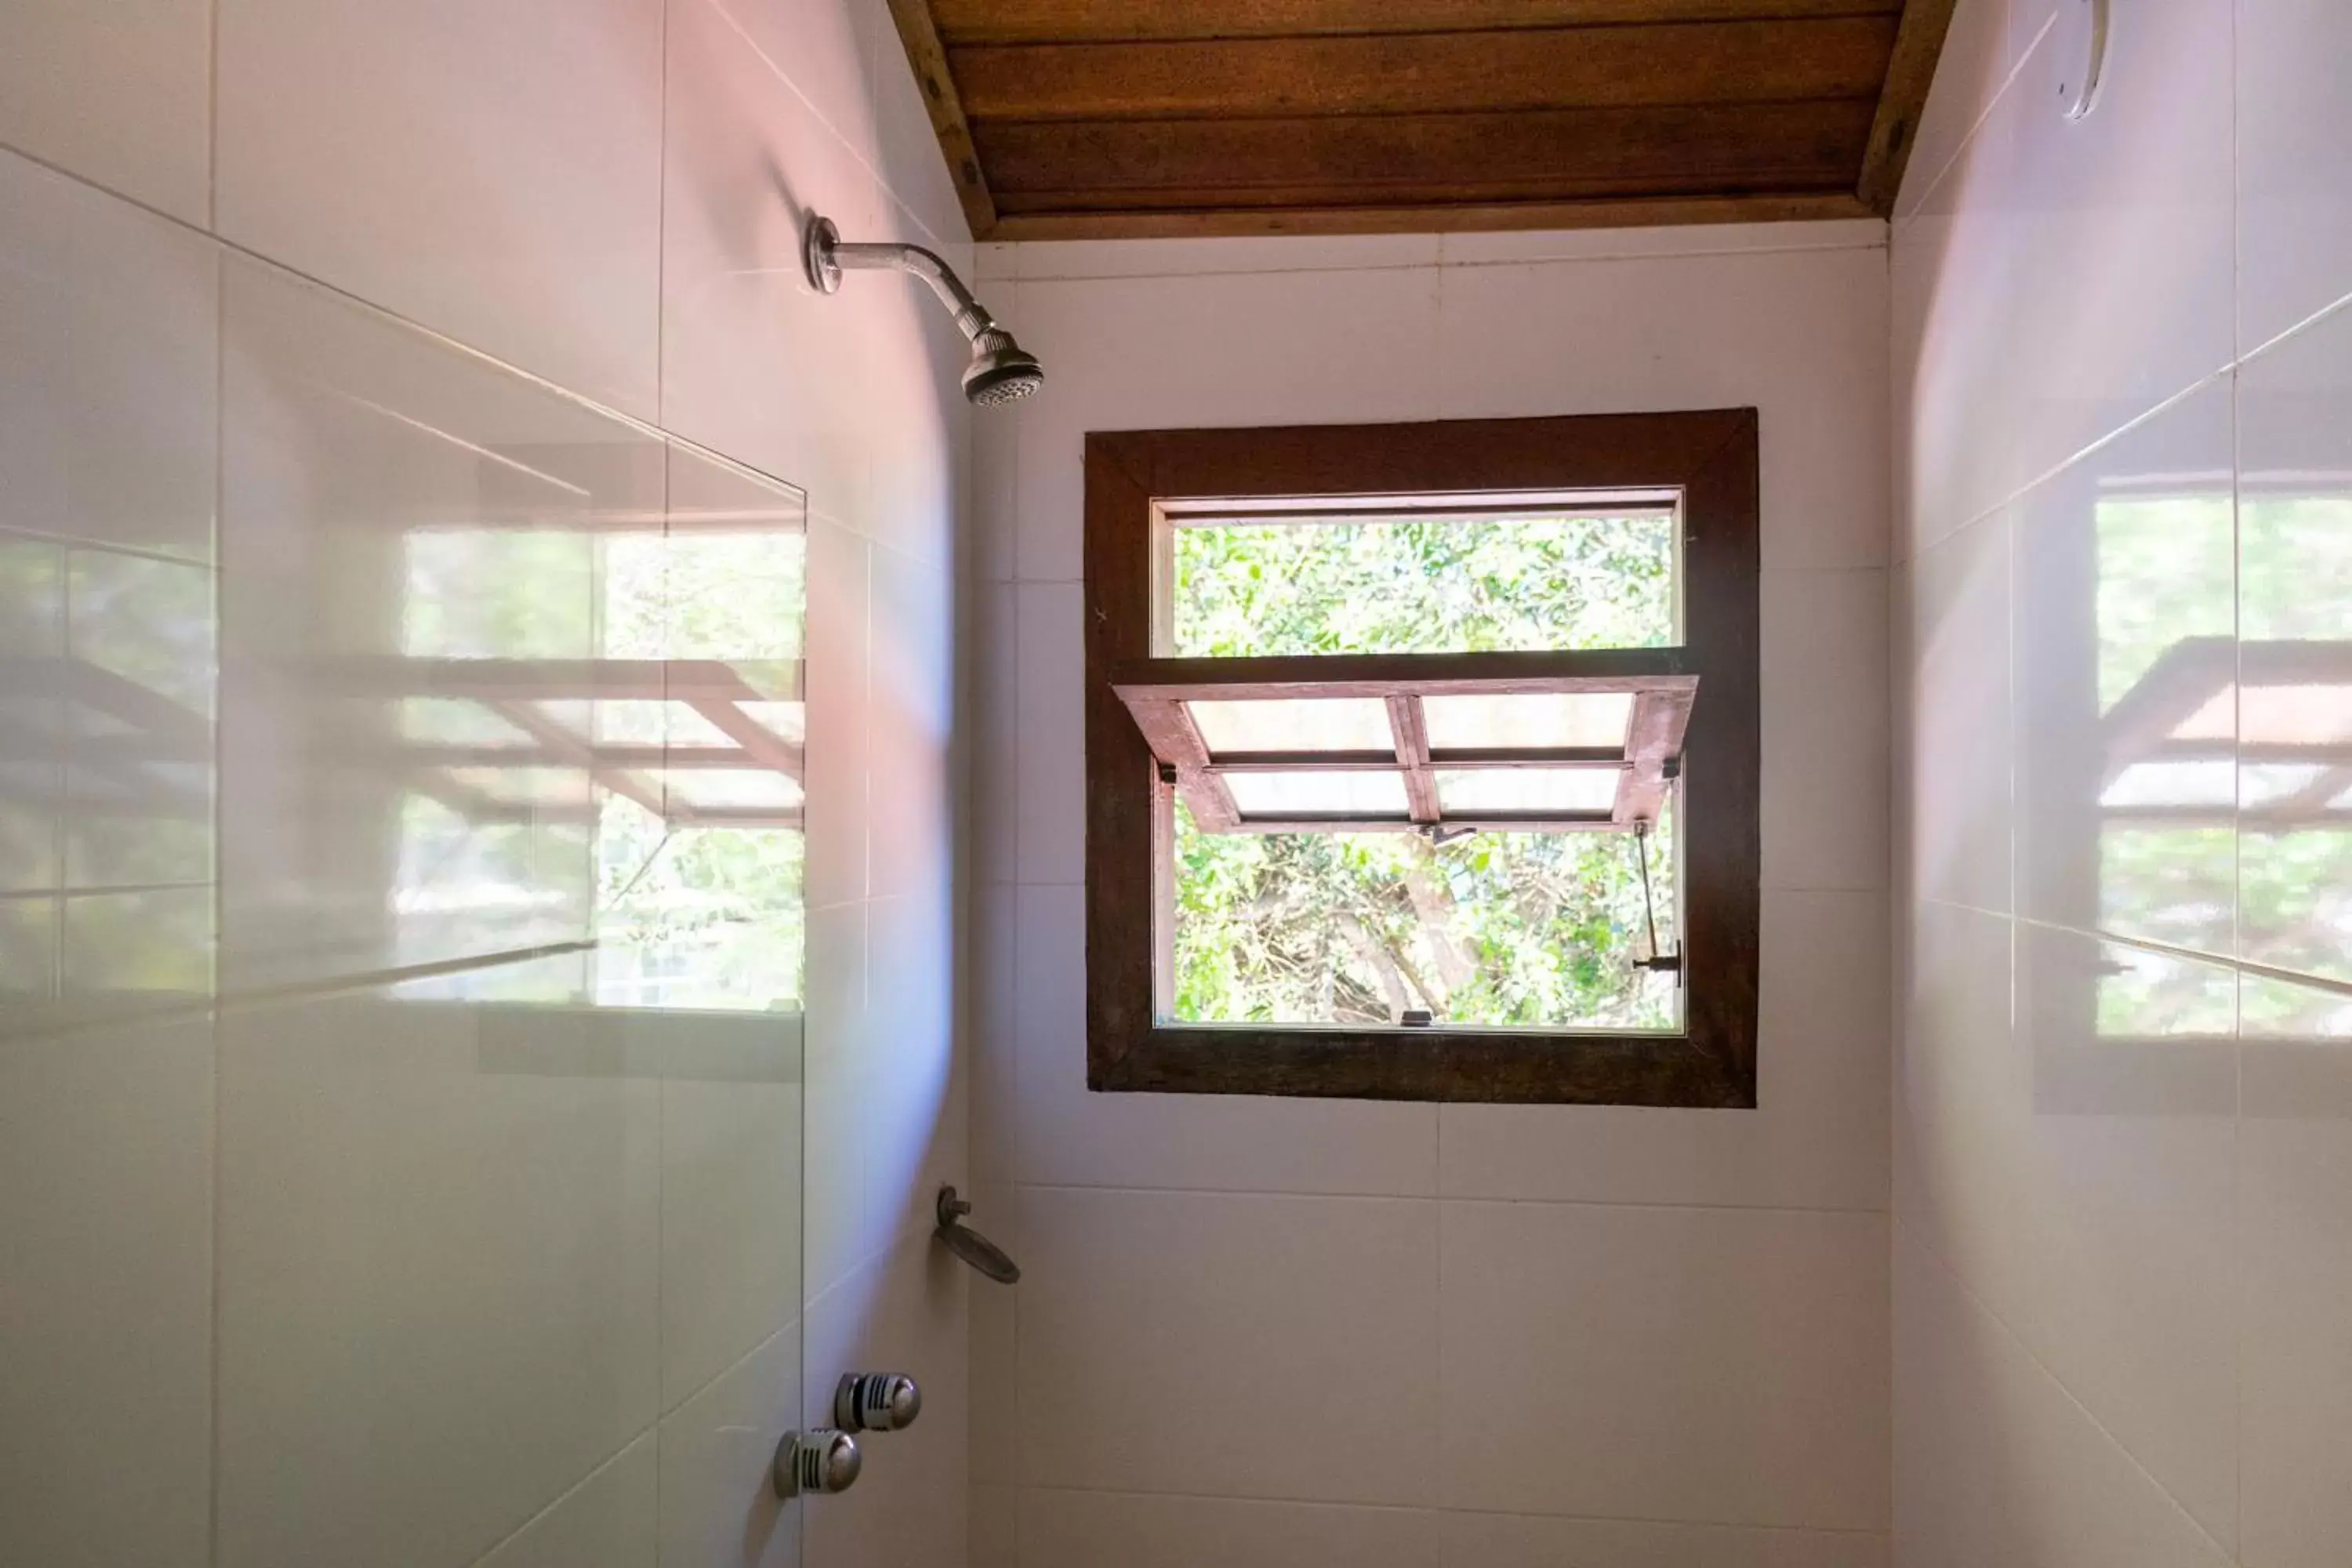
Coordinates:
(820, 1460)
(877, 1401)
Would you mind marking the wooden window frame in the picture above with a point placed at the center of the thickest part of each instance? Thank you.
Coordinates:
(1710, 459)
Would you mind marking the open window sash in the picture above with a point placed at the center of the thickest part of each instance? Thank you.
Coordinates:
(1447, 742)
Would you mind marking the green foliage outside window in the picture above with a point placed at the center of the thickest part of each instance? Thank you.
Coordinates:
(1497, 930)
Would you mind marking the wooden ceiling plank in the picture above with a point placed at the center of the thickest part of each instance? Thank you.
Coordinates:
(1909, 73)
(1013, 205)
(1091, 21)
(1434, 72)
(1446, 219)
(1818, 144)
(944, 104)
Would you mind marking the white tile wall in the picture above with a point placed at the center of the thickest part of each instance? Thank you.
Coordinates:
(438, 1273)
(1740, 1355)
(1079, 1530)
(1230, 1344)
(716, 1453)
(119, 94)
(2295, 215)
(2112, 1144)
(1825, 806)
(905, 1309)
(1526, 1540)
(547, 1269)
(106, 1218)
(1237, 1337)
(1994, 1463)
(381, 150)
(1817, 1139)
(611, 1519)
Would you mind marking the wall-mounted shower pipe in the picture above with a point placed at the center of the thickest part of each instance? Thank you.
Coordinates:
(1000, 371)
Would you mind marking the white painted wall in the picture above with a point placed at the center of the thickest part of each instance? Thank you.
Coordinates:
(2120, 1265)
(300, 1268)
(1264, 1332)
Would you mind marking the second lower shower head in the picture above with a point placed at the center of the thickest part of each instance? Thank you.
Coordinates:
(1001, 369)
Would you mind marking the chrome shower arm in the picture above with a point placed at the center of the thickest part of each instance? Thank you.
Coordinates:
(1001, 369)
(970, 316)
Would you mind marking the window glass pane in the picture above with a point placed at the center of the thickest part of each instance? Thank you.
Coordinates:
(1353, 793)
(1295, 724)
(1431, 584)
(1493, 929)
(1528, 720)
(1467, 791)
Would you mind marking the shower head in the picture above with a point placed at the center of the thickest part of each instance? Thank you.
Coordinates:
(1001, 369)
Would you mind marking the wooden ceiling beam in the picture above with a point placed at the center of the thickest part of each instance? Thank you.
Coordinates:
(1919, 42)
(1385, 159)
(1132, 21)
(944, 104)
(1621, 213)
(1699, 62)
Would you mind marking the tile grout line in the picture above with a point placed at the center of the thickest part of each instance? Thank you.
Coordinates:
(661, 1065)
(2296, 977)
(2155, 411)
(1443, 262)
(2017, 1341)
(2240, 1294)
(1444, 1510)
(219, 911)
(384, 314)
(881, 180)
(1968, 137)
(1440, 1199)
(661, 257)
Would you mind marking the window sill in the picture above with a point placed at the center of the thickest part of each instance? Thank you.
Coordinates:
(1465, 1066)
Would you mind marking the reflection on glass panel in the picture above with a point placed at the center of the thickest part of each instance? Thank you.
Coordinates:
(1469, 792)
(139, 762)
(1429, 585)
(736, 573)
(2165, 571)
(2208, 783)
(1491, 930)
(1528, 721)
(1353, 793)
(657, 723)
(788, 722)
(2127, 676)
(701, 860)
(2148, 995)
(2270, 785)
(2294, 894)
(454, 723)
(2272, 1009)
(2169, 883)
(2295, 715)
(32, 633)
(28, 951)
(1295, 724)
(412, 644)
(155, 943)
(721, 787)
